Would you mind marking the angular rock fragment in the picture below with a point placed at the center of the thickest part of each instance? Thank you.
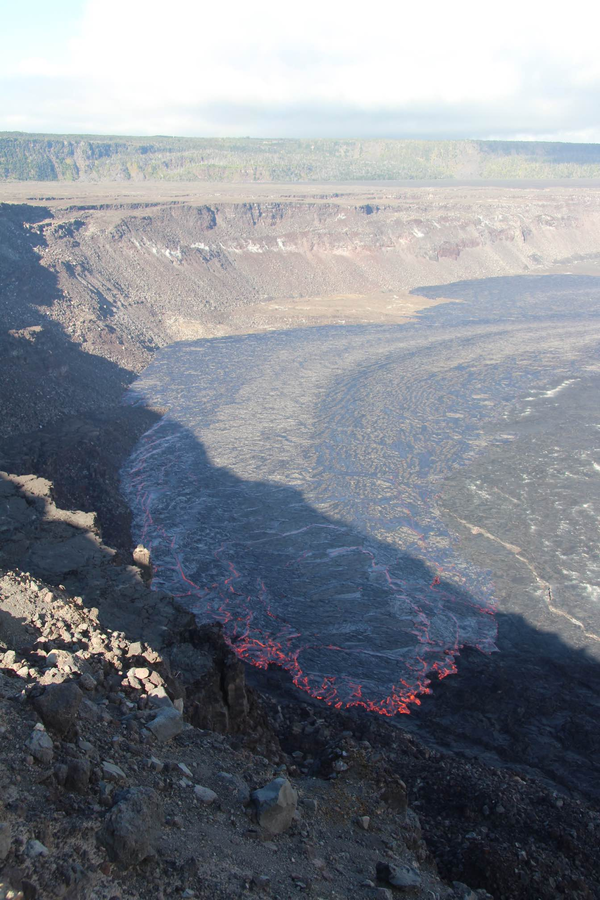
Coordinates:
(33, 849)
(205, 795)
(86, 682)
(90, 711)
(141, 557)
(112, 772)
(9, 659)
(40, 745)
(139, 672)
(401, 876)
(156, 764)
(166, 724)
(274, 805)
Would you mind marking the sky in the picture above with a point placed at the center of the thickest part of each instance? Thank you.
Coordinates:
(318, 68)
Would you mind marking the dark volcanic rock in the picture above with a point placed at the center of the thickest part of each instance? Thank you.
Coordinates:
(132, 827)
(78, 775)
(217, 695)
(58, 706)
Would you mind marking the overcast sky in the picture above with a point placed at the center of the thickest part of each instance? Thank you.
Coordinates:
(515, 69)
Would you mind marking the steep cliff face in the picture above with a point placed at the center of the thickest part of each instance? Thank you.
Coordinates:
(89, 291)
(96, 158)
(129, 280)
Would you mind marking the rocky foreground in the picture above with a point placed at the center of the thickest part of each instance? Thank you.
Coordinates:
(137, 762)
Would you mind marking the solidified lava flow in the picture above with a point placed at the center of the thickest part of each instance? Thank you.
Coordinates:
(291, 492)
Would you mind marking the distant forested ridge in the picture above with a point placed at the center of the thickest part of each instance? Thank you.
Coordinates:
(30, 157)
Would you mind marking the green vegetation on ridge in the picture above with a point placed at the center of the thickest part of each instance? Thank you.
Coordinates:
(30, 157)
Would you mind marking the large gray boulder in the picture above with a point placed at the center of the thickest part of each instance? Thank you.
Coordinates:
(274, 805)
(58, 706)
(166, 724)
(132, 828)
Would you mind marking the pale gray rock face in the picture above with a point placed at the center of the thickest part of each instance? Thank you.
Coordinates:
(112, 772)
(158, 698)
(132, 827)
(40, 745)
(166, 724)
(275, 805)
(401, 876)
(205, 795)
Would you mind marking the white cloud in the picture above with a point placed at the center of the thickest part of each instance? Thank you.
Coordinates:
(143, 66)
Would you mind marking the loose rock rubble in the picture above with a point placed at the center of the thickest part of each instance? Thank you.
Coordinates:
(111, 789)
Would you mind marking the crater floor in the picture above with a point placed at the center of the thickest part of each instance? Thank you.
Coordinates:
(320, 492)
